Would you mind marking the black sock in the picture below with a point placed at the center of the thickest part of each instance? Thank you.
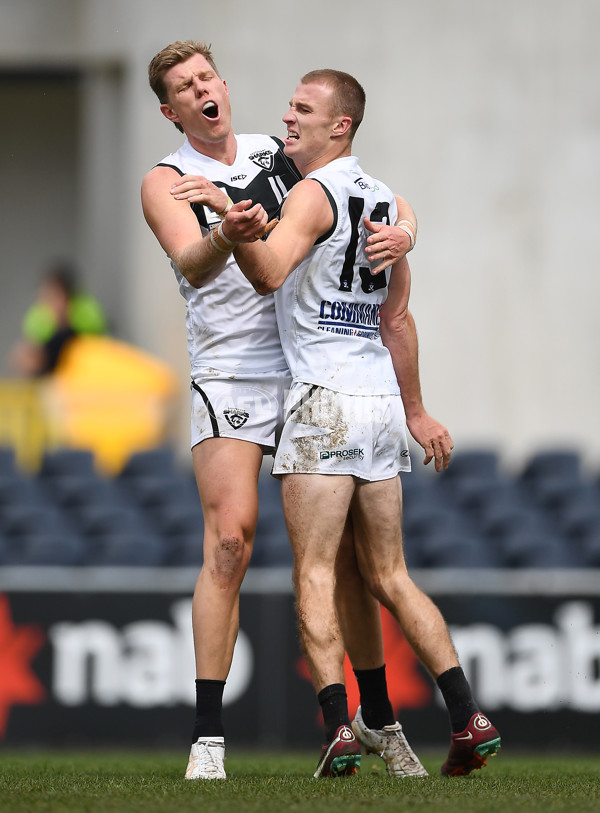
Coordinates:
(375, 705)
(209, 703)
(334, 705)
(458, 698)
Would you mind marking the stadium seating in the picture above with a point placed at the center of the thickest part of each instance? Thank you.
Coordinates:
(472, 516)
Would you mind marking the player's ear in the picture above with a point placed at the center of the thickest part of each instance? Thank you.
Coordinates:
(169, 113)
(342, 126)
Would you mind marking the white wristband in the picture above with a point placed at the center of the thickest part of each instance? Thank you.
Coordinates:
(226, 239)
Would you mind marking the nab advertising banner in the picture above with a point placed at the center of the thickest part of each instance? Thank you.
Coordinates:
(106, 658)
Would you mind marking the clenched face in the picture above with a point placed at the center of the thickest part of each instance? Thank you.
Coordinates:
(310, 123)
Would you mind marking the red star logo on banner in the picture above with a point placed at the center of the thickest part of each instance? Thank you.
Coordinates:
(407, 686)
(18, 645)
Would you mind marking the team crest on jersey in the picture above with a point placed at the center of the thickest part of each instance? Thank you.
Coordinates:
(236, 418)
(263, 159)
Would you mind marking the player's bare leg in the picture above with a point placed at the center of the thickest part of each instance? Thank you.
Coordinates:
(316, 507)
(377, 517)
(377, 520)
(375, 724)
(358, 610)
(227, 476)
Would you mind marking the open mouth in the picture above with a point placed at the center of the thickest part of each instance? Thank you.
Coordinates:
(210, 110)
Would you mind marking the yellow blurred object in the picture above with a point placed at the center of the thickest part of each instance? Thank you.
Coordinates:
(22, 421)
(109, 397)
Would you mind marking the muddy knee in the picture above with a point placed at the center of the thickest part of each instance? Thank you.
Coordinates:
(229, 562)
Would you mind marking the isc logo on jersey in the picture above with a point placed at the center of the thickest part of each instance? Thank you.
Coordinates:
(344, 454)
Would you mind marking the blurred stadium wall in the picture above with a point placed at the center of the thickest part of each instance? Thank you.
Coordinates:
(485, 115)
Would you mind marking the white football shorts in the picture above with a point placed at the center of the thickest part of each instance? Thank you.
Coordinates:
(246, 408)
(327, 432)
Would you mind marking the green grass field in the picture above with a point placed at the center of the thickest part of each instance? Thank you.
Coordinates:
(123, 782)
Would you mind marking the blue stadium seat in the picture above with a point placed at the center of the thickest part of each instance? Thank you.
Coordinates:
(525, 548)
(62, 462)
(8, 463)
(101, 519)
(17, 489)
(73, 491)
(183, 550)
(160, 460)
(25, 519)
(271, 544)
(552, 463)
(126, 548)
(453, 549)
(500, 520)
(555, 494)
(476, 495)
(4, 549)
(589, 550)
(424, 519)
(155, 490)
(47, 547)
(183, 519)
(476, 462)
(580, 519)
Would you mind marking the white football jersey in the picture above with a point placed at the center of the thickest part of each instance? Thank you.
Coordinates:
(328, 308)
(230, 328)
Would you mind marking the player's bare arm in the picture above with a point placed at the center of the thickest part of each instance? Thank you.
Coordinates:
(305, 216)
(389, 243)
(177, 229)
(399, 335)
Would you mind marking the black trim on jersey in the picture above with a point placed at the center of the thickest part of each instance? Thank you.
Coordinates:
(291, 165)
(328, 233)
(209, 408)
(172, 167)
(259, 189)
(302, 401)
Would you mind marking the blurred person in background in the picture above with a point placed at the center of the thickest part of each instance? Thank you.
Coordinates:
(60, 312)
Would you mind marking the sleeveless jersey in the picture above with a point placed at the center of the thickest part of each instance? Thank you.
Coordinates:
(328, 308)
(230, 328)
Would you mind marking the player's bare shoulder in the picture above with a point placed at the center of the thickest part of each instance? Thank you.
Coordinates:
(157, 183)
(172, 221)
(308, 202)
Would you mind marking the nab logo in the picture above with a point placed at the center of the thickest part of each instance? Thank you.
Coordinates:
(236, 418)
(263, 159)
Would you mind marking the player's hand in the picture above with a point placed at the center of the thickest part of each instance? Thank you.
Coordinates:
(245, 222)
(434, 438)
(197, 189)
(386, 245)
